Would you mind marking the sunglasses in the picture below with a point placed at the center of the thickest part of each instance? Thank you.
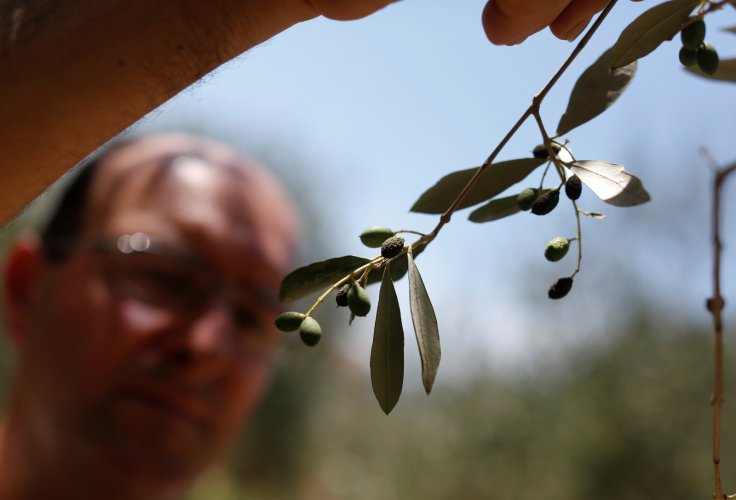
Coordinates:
(169, 277)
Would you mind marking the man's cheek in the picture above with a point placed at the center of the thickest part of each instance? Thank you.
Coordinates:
(244, 392)
(141, 319)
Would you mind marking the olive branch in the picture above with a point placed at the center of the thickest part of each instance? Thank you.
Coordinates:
(715, 305)
(598, 87)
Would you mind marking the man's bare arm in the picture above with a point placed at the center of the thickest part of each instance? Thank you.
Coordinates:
(73, 74)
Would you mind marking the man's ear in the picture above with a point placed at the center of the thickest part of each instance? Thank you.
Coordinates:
(23, 267)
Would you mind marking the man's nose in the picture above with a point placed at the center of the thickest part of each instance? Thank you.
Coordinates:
(203, 347)
(211, 331)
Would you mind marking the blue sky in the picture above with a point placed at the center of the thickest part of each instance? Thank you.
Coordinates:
(379, 109)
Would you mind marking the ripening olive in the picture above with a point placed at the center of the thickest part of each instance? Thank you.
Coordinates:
(693, 35)
(358, 301)
(707, 58)
(392, 247)
(556, 249)
(560, 288)
(546, 203)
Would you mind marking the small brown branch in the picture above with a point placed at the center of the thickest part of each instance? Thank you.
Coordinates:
(531, 110)
(715, 305)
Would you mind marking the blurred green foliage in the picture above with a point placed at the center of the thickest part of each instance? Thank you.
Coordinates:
(631, 421)
(628, 420)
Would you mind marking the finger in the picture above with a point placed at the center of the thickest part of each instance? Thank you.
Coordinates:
(576, 16)
(344, 10)
(507, 22)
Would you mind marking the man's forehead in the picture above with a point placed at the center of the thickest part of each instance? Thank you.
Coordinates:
(150, 147)
(173, 181)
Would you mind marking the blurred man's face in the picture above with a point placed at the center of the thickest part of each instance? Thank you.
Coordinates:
(151, 342)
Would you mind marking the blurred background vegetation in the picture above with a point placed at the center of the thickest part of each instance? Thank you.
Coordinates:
(624, 415)
(604, 394)
(631, 421)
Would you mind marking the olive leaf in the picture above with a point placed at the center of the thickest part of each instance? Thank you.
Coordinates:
(498, 208)
(387, 352)
(425, 326)
(493, 181)
(730, 29)
(595, 91)
(726, 71)
(610, 182)
(317, 276)
(495, 209)
(649, 30)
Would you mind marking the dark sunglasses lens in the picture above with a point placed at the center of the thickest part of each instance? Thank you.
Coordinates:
(160, 281)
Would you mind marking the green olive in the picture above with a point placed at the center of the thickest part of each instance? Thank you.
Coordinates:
(289, 321)
(556, 249)
(358, 301)
(310, 331)
(526, 198)
(374, 237)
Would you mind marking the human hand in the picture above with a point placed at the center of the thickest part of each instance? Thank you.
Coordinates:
(346, 9)
(510, 22)
(506, 22)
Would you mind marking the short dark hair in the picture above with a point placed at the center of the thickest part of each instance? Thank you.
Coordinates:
(66, 221)
(64, 226)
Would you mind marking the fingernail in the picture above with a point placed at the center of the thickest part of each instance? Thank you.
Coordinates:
(575, 31)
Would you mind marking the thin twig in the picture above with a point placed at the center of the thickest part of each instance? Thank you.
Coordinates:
(579, 237)
(534, 106)
(715, 306)
(342, 281)
(533, 109)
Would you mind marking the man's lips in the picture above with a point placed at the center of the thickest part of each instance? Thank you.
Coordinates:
(179, 403)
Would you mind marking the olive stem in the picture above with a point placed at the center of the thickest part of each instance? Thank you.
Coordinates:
(340, 282)
(410, 231)
(579, 237)
(533, 107)
(713, 6)
(715, 306)
(544, 175)
(548, 144)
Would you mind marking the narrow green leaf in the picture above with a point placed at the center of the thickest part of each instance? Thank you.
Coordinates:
(495, 209)
(726, 71)
(610, 182)
(317, 276)
(425, 326)
(500, 207)
(494, 180)
(595, 91)
(649, 30)
(387, 353)
(730, 29)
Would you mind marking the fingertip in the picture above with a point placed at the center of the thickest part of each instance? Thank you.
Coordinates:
(488, 20)
(567, 32)
(497, 28)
